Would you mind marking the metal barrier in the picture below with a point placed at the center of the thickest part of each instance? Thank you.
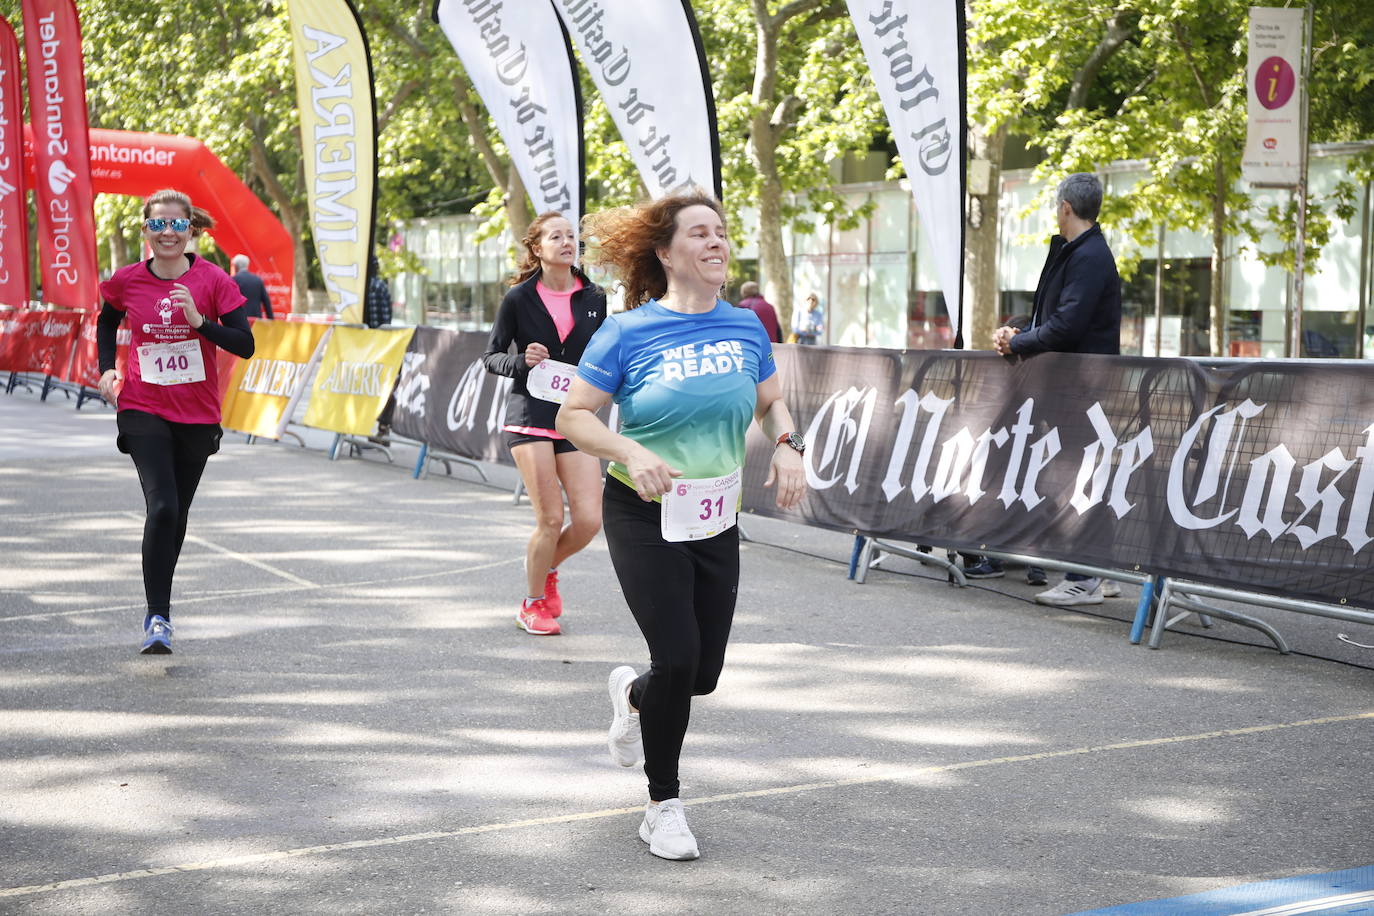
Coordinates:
(1184, 595)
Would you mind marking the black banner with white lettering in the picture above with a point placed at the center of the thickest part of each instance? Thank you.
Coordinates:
(1257, 475)
(447, 399)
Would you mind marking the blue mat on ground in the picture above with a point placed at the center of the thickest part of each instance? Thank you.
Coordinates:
(1336, 893)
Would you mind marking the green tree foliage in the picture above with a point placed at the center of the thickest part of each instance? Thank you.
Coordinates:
(1163, 81)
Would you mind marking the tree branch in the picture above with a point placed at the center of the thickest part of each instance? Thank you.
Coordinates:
(1118, 31)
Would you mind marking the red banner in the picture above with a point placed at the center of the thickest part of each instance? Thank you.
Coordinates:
(61, 149)
(38, 341)
(14, 215)
(85, 367)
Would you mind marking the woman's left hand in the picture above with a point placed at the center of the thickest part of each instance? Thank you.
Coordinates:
(182, 297)
(786, 470)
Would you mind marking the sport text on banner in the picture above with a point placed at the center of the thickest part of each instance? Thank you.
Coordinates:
(447, 399)
(355, 379)
(339, 135)
(61, 151)
(640, 56)
(1273, 125)
(915, 49)
(261, 388)
(14, 209)
(519, 61)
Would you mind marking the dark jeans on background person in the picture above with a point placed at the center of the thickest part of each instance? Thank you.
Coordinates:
(682, 596)
(170, 458)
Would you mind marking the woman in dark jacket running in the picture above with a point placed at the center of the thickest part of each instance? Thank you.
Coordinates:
(550, 313)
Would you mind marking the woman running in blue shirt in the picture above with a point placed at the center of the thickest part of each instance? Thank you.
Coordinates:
(689, 372)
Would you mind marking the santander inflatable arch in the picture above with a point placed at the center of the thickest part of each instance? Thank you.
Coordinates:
(137, 164)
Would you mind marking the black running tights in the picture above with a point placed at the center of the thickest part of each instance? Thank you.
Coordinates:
(682, 596)
(170, 458)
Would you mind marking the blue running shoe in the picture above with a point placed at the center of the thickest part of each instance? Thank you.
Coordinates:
(157, 636)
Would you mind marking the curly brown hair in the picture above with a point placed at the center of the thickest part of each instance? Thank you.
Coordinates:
(200, 220)
(529, 247)
(627, 241)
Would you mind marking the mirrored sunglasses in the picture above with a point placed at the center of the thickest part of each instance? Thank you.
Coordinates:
(157, 224)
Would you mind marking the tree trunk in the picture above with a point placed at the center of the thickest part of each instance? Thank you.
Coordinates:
(1216, 334)
(518, 210)
(775, 278)
(292, 220)
(980, 252)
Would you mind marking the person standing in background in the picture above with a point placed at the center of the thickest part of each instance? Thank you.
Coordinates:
(256, 303)
(751, 300)
(808, 322)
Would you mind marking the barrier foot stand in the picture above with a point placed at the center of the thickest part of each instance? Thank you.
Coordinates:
(421, 461)
(47, 386)
(881, 548)
(448, 461)
(1203, 610)
(334, 447)
(519, 491)
(859, 541)
(1142, 609)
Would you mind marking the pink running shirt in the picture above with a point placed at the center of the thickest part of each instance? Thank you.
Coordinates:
(155, 318)
(559, 306)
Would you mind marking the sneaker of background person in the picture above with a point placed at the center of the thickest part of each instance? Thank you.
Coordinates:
(983, 568)
(1068, 593)
(157, 636)
(552, 600)
(533, 617)
(1036, 576)
(627, 747)
(1110, 589)
(665, 829)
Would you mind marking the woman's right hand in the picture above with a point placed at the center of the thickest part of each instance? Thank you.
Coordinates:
(535, 354)
(652, 475)
(109, 381)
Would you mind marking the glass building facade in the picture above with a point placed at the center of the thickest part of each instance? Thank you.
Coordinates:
(877, 284)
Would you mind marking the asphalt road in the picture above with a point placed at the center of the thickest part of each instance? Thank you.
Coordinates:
(352, 722)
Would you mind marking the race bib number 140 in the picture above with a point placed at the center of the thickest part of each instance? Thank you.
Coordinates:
(171, 363)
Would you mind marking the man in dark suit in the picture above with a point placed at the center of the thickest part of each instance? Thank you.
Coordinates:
(252, 287)
(1077, 310)
(1078, 299)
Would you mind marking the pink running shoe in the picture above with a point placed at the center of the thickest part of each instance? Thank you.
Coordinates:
(533, 617)
(552, 600)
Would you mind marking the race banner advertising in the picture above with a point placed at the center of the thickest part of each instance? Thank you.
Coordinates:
(519, 61)
(61, 152)
(641, 56)
(85, 365)
(915, 49)
(261, 388)
(1274, 101)
(14, 209)
(1258, 475)
(447, 399)
(355, 379)
(40, 341)
(339, 134)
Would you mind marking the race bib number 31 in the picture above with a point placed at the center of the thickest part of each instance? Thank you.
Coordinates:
(171, 363)
(700, 508)
(549, 380)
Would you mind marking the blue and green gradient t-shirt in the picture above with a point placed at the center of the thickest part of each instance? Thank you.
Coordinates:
(685, 384)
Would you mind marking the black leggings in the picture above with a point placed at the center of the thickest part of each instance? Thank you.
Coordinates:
(170, 458)
(682, 596)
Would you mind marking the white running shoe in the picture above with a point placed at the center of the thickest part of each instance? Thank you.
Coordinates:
(665, 829)
(627, 747)
(1067, 593)
(1110, 589)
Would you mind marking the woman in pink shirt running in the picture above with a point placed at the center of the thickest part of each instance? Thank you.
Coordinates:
(549, 314)
(180, 307)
